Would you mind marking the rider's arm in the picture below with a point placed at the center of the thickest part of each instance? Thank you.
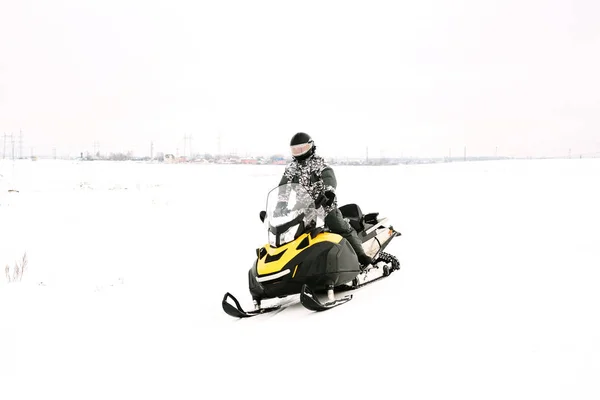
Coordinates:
(329, 180)
(284, 180)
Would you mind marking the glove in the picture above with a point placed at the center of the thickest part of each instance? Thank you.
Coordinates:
(325, 199)
(281, 209)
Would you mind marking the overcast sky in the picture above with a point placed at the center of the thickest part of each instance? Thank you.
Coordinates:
(419, 78)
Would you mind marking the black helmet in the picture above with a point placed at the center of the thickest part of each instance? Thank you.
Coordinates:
(302, 146)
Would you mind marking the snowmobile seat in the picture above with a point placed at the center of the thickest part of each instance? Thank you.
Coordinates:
(354, 215)
(371, 218)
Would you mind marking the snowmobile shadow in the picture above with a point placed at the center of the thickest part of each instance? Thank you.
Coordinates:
(343, 293)
(291, 302)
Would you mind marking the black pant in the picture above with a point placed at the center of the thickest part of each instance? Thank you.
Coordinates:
(337, 224)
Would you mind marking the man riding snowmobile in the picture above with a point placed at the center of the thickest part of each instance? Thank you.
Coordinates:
(304, 258)
(318, 178)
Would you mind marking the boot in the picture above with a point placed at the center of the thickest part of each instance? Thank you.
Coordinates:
(356, 244)
(364, 260)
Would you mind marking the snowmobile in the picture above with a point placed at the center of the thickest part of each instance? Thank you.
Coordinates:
(303, 257)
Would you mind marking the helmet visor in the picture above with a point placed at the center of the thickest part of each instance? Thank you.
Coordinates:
(301, 149)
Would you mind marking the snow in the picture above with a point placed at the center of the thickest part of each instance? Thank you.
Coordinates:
(128, 263)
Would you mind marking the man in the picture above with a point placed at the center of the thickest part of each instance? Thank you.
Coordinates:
(318, 178)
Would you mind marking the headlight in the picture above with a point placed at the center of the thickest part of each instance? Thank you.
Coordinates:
(288, 235)
(285, 237)
(272, 241)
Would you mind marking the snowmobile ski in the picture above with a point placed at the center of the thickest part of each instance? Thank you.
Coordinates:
(237, 311)
(310, 301)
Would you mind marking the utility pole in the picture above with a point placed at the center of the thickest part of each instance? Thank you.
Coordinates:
(187, 139)
(20, 144)
(4, 148)
(12, 142)
(151, 151)
(96, 149)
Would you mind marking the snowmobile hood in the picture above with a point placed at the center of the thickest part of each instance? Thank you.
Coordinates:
(275, 259)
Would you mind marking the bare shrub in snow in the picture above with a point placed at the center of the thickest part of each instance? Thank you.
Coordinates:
(16, 275)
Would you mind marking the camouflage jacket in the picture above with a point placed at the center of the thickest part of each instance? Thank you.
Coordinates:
(314, 174)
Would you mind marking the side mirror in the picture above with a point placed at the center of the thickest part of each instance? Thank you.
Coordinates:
(263, 214)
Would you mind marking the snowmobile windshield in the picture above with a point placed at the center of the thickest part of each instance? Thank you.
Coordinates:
(290, 212)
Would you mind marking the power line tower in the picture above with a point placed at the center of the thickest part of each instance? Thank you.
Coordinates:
(151, 150)
(12, 143)
(184, 144)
